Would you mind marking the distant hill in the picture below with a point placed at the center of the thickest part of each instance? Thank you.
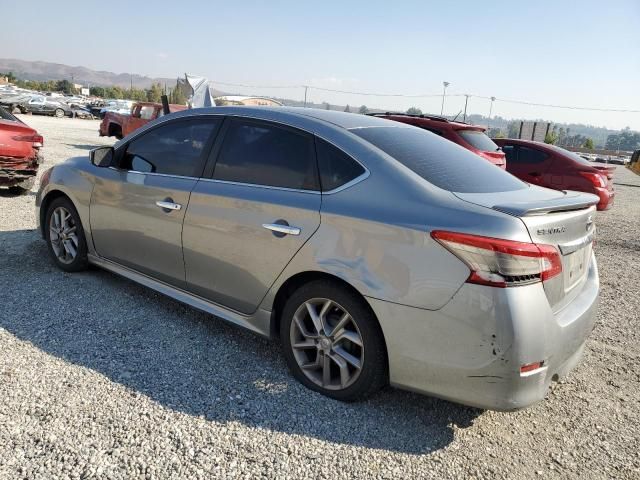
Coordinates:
(42, 71)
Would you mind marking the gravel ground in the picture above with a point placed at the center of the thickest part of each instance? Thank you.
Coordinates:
(101, 378)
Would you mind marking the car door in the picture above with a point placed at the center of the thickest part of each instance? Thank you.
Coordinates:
(246, 221)
(527, 163)
(36, 104)
(138, 205)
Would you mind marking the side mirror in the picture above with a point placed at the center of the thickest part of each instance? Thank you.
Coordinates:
(101, 156)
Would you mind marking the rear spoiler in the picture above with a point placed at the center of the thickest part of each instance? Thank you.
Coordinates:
(578, 201)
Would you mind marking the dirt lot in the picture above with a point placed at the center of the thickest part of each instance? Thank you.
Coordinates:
(101, 378)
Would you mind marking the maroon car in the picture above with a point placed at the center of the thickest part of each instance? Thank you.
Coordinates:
(554, 167)
(471, 137)
(19, 153)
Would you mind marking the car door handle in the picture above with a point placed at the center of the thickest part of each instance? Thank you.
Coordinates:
(168, 205)
(283, 229)
(535, 174)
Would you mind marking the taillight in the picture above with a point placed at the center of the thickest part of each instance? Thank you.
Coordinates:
(36, 139)
(597, 179)
(502, 263)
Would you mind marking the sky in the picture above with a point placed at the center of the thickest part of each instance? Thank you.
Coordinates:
(576, 53)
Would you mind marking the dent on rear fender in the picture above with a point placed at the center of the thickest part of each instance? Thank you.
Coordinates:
(390, 263)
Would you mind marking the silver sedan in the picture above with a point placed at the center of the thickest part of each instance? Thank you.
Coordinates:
(376, 252)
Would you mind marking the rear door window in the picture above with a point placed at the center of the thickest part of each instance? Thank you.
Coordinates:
(531, 155)
(260, 153)
(439, 161)
(336, 167)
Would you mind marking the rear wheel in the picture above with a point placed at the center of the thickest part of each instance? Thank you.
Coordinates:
(332, 341)
(65, 236)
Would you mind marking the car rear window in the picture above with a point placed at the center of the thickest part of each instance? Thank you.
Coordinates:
(439, 161)
(574, 156)
(479, 140)
(4, 115)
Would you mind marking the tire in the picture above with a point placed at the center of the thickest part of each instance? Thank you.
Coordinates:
(62, 251)
(59, 113)
(337, 346)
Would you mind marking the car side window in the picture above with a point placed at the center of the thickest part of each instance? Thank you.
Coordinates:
(511, 153)
(175, 148)
(265, 154)
(336, 167)
(530, 155)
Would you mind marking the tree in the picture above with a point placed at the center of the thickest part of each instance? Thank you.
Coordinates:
(588, 143)
(177, 95)
(414, 111)
(97, 91)
(154, 93)
(551, 138)
(347, 109)
(513, 130)
(363, 110)
(64, 86)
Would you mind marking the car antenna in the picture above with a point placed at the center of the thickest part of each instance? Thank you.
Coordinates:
(454, 118)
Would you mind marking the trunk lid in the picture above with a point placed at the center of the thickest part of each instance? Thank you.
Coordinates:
(563, 219)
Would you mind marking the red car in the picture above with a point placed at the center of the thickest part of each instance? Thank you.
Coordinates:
(554, 167)
(471, 137)
(19, 153)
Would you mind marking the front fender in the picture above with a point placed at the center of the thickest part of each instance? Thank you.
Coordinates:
(73, 180)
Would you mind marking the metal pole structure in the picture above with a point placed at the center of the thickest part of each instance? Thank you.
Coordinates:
(490, 110)
(444, 93)
(466, 100)
(305, 95)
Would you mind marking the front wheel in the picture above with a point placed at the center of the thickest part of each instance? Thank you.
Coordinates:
(332, 341)
(59, 113)
(65, 237)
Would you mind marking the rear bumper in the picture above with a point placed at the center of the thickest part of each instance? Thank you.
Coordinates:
(471, 350)
(14, 171)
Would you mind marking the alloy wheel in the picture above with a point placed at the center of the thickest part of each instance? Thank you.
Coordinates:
(327, 344)
(63, 236)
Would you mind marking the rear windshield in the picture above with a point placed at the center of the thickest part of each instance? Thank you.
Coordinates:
(439, 161)
(479, 140)
(4, 115)
(574, 156)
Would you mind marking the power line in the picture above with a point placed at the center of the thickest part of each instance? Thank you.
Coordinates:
(371, 94)
(433, 95)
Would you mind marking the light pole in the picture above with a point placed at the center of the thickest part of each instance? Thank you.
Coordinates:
(466, 100)
(490, 109)
(444, 93)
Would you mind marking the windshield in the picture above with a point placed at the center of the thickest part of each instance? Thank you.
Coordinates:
(4, 115)
(439, 161)
(574, 156)
(479, 140)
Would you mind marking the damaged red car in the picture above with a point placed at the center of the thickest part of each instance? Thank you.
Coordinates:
(19, 153)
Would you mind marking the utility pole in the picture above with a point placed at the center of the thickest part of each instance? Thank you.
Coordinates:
(305, 95)
(490, 110)
(466, 100)
(444, 93)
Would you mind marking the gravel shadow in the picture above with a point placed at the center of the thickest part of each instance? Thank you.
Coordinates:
(191, 362)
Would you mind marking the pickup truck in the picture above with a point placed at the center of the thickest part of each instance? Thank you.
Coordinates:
(119, 125)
